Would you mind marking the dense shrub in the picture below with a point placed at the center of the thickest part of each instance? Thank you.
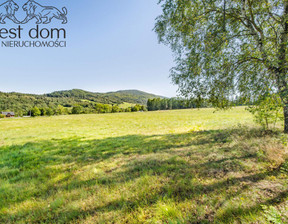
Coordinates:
(49, 112)
(77, 109)
(35, 112)
(267, 110)
(43, 111)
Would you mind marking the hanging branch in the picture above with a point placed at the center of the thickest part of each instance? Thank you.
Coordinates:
(224, 17)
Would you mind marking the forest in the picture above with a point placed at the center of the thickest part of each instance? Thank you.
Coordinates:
(83, 102)
(74, 102)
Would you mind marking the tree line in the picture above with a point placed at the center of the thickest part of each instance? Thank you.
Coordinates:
(60, 106)
(97, 108)
(174, 103)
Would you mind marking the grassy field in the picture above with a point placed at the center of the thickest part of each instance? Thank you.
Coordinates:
(126, 105)
(189, 166)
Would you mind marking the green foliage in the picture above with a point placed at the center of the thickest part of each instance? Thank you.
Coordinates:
(129, 109)
(107, 108)
(77, 109)
(268, 110)
(227, 48)
(115, 109)
(2, 116)
(174, 103)
(125, 105)
(49, 112)
(60, 110)
(43, 111)
(284, 168)
(273, 215)
(21, 104)
(35, 112)
(129, 96)
(137, 108)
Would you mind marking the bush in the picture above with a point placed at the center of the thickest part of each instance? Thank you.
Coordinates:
(267, 110)
(77, 109)
(128, 109)
(2, 116)
(49, 112)
(60, 110)
(19, 113)
(35, 112)
(115, 109)
(43, 111)
(136, 108)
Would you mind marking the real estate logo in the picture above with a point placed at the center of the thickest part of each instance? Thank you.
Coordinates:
(7, 10)
(39, 36)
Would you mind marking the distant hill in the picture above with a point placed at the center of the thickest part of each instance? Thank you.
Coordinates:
(68, 98)
(118, 97)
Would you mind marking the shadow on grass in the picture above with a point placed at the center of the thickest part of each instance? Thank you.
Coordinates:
(183, 161)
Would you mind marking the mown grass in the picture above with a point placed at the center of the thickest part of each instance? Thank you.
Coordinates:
(189, 166)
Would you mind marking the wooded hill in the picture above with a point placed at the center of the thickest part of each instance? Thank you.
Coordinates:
(129, 96)
(21, 103)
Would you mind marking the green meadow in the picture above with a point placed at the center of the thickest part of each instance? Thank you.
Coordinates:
(182, 166)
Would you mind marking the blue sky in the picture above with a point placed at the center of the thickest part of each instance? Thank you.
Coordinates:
(111, 46)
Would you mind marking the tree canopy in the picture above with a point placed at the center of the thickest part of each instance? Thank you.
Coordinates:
(227, 48)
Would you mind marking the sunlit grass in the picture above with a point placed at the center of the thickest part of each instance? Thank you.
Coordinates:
(189, 166)
(126, 105)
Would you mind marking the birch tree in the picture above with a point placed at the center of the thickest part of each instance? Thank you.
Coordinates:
(227, 48)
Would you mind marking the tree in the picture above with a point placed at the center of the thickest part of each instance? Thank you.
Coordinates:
(143, 108)
(19, 113)
(49, 112)
(35, 112)
(107, 108)
(99, 108)
(129, 109)
(77, 109)
(115, 109)
(267, 110)
(43, 111)
(136, 108)
(227, 48)
(60, 110)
